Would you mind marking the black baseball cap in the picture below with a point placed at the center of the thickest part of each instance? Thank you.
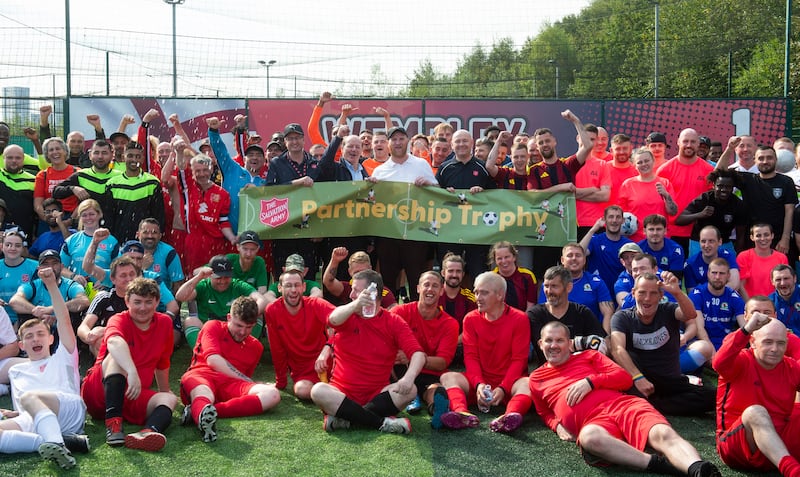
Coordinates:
(705, 140)
(49, 253)
(255, 146)
(249, 236)
(656, 137)
(132, 246)
(396, 129)
(221, 266)
(292, 128)
(118, 134)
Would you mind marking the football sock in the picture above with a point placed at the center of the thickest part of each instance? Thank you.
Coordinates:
(258, 329)
(520, 403)
(46, 425)
(458, 400)
(351, 411)
(382, 405)
(114, 386)
(248, 405)
(789, 466)
(198, 404)
(160, 419)
(191, 335)
(17, 442)
(660, 465)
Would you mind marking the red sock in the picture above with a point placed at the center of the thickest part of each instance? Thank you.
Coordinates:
(458, 400)
(249, 405)
(789, 467)
(197, 406)
(520, 403)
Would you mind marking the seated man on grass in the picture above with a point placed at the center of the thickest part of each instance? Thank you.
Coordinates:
(581, 397)
(46, 389)
(219, 382)
(365, 348)
(136, 348)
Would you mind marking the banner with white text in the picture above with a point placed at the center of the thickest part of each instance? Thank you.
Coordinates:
(400, 210)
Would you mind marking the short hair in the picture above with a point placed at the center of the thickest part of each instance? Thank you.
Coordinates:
(555, 324)
(498, 283)
(650, 277)
(719, 174)
(54, 140)
(640, 151)
(764, 147)
(716, 144)
(759, 225)
(485, 141)
(591, 128)
(715, 229)
(420, 136)
(720, 262)
(654, 219)
(759, 298)
(781, 267)
(202, 159)
(133, 145)
(648, 257)
(542, 131)
(431, 273)
(442, 127)
(441, 139)
(573, 245)
(149, 221)
(380, 133)
(359, 257)
(371, 276)
(502, 244)
(245, 309)
(454, 257)
(30, 324)
(291, 271)
(520, 147)
(52, 202)
(560, 272)
(144, 287)
(123, 261)
(610, 208)
(620, 138)
(365, 132)
(101, 143)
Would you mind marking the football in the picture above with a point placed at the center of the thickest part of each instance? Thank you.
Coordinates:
(490, 218)
(630, 224)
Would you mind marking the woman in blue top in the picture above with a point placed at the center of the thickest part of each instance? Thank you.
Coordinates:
(89, 215)
(15, 270)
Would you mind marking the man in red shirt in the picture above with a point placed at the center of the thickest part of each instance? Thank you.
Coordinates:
(364, 351)
(437, 333)
(496, 339)
(136, 347)
(581, 397)
(296, 327)
(758, 424)
(219, 382)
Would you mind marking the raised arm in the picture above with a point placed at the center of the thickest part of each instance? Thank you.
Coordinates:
(88, 264)
(66, 335)
(491, 161)
(329, 280)
(585, 147)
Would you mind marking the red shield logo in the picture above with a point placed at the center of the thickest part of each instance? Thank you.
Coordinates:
(274, 212)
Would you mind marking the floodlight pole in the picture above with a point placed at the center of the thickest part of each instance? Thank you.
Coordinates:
(174, 3)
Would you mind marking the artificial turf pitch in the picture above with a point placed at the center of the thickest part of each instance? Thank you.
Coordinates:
(289, 441)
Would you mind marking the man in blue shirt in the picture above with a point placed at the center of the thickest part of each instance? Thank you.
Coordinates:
(695, 270)
(720, 309)
(668, 253)
(786, 296)
(603, 249)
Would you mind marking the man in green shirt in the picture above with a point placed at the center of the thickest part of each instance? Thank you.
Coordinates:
(214, 289)
(248, 266)
(295, 261)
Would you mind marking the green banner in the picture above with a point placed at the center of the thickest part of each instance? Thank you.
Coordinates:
(400, 210)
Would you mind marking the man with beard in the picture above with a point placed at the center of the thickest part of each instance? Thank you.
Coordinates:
(581, 398)
(696, 268)
(456, 300)
(219, 382)
(717, 207)
(602, 249)
(657, 144)
(582, 324)
(90, 183)
(16, 187)
(296, 327)
(720, 309)
(132, 196)
(159, 257)
(621, 167)
(440, 151)
(687, 172)
(786, 296)
(437, 333)
(770, 197)
(29, 164)
(236, 177)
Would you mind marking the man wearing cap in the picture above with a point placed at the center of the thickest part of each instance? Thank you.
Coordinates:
(236, 177)
(657, 144)
(624, 283)
(215, 289)
(119, 140)
(703, 147)
(219, 382)
(396, 255)
(132, 196)
(33, 300)
(296, 263)
(90, 183)
(16, 187)
(687, 171)
(294, 167)
(248, 266)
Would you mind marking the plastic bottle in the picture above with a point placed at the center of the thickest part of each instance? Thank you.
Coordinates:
(368, 311)
(483, 404)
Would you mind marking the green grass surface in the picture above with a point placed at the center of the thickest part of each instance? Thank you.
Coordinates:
(289, 441)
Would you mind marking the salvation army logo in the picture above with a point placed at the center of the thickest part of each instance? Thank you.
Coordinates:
(274, 212)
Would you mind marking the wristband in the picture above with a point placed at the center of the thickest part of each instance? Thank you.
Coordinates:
(637, 377)
(145, 124)
(591, 384)
(744, 330)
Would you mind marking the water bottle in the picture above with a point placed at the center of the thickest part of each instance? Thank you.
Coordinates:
(368, 311)
(483, 403)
